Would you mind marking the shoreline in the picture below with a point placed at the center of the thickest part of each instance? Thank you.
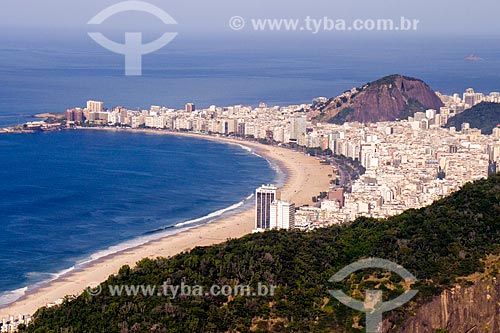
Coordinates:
(304, 178)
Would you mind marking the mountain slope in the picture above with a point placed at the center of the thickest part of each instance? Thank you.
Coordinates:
(461, 309)
(485, 116)
(438, 244)
(388, 99)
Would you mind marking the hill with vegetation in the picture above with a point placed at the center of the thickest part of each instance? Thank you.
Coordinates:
(438, 244)
(387, 99)
(484, 116)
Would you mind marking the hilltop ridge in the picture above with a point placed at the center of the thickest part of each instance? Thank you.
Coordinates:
(387, 99)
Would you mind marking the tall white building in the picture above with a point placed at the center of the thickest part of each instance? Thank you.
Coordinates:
(282, 215)
(496, 132)
(472, 98)
(298, 128)
(430, 113)
(264, 197)
(94, 106)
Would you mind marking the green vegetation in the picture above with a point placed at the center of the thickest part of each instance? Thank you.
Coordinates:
(342, 117)
(485, 116)
(438, 244)
(353, 166)
(411, 107)
(322, 195)
(391, 79)
(317, 151)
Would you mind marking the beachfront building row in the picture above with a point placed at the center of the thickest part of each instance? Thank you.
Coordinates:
(409, 163)
(270, 211)
(8, 325)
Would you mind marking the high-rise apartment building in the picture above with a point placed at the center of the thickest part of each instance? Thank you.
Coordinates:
(95, 106)
(264, 197)
(282, 215)
(298, 128)
(74, 115)
(190, 107)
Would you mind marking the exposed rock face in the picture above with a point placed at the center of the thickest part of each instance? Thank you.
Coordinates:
(388, 99)
(474, 309)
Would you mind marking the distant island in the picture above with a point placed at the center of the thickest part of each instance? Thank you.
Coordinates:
(473, 57)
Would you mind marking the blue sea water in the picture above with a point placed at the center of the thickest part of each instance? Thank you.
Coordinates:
(67, 197)
(38, 76)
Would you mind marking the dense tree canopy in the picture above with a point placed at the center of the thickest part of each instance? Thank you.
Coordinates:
(485, 116)
(437, 244)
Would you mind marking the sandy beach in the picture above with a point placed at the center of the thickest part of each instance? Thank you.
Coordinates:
(306, 177)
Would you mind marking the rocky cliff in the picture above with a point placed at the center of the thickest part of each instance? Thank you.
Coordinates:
(388, 99)
(473, 309)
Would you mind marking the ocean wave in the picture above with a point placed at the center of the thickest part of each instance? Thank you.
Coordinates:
(40, 279)
(280, 175)
(156, 234)
(127, 245)
(12, 296)
(248, 149)
(37, 276)
(280, 178)
(212, 215)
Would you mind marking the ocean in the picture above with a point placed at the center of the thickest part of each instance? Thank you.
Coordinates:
(70, 197)
(50, 76)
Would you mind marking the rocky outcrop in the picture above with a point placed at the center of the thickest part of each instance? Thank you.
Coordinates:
(474, 309)
(388, 99)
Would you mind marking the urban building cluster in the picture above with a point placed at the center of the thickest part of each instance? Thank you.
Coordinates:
(11, 324)
(409, 163)
(270, 211)
(457, 104)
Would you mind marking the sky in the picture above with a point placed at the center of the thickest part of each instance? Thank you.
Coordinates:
(202, 18)
(55, 34)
